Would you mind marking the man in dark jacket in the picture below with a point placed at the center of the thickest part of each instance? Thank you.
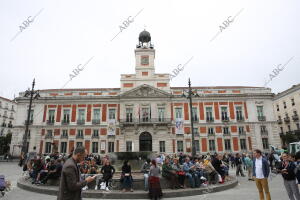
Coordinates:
(70, 183)
(287, 169)
(239, 165)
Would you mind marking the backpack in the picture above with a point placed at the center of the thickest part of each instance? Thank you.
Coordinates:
(2, 183)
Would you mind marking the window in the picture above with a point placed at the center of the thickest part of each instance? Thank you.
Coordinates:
(263, 129)
(129, 146)
(112, 113)
(79, 144)
(178, 113)
(162, 146)
(241, 130)
(227, 143)
(47, 147)
(225, 130)
(260, 111)
(145, 114)
(179, 146)
(297, 125)
(96, 114)
(79, 133)
(243, 144)
(51, 116)
(277, 106)
(212, 146)
(195, 130)
(265, 143)
(161, 114)
(81, 114)
(65, 133)
(210, 131)
(239, 113)
(293, 102)
(197, 145)
(194, 114)
(284, 105)
(224, 113)
(49, 134)
(95, 147)
(209, 115)
(95, 132)
(66, 118)
(63, 147)
(111, 147)
(129, 113)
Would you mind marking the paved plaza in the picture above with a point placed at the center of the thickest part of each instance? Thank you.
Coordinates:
(244, 191)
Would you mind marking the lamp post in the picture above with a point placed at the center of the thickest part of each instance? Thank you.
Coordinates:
(33, 95)
(189, 96)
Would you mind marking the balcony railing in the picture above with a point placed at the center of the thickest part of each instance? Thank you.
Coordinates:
(279, 121)
(11, 117)
(95, 136)
(48, 136)
(65, 122)
(79, 137)
(64, 136)
(287, 119)
(50, 122)
(265, 132)
(30, 122)
(226, 133)
(209, 119)
(261, 118)
(295, 117)
(81, 121)
(211, 133)
(225, 119)
(242, 133)
(96, 121)
(146, 121)
(9, 125)
(240, 118)
(4, 116)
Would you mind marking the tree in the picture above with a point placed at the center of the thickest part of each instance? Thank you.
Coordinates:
(5, 143)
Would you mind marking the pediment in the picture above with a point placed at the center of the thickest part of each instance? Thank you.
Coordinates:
(145, 91)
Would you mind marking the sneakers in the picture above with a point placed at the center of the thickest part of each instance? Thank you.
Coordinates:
(85, 188)
(203, 178)
(106, 189)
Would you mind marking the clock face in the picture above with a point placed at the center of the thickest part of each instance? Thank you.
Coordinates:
(144, 60)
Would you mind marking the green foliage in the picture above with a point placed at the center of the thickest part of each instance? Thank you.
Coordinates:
(5, 143)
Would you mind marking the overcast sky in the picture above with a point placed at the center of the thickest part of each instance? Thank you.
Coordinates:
(260, 35)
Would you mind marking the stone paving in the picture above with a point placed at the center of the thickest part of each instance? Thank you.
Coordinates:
(246, 190)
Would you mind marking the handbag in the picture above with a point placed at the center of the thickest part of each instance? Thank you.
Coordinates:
(180, 173)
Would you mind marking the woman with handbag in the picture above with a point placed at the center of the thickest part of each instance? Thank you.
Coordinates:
(179, 171)
(154, 182)
(126, 177)
(170, 174)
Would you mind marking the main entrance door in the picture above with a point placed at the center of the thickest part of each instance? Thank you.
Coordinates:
(145, 141)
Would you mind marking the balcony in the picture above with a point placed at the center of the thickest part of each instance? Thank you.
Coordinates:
(11, 117)
(225, 119)
(50, 122)
(242, 133)
(64, 137)
(211, 133)
(145, 121)
(96, 121)
(261, 118)
(279, 121)
(240, 118)
(226, 133)
(49, 136)
(81, 121)
(287, 119)
(65, 121)
(79, 137)
(95, 136)
(195, 119)
(295, 117)
(9, 125)
(264, 133)
(209, 119)
(30, 122)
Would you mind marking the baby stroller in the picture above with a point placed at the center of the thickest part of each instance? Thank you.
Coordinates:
(2, 185)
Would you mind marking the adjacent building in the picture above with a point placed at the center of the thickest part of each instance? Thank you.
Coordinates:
(7, 115)
(287, 108)
(147, 114)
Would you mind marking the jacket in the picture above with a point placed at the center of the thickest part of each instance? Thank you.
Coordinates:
(70, 184)
(290, 171)
(265, 167)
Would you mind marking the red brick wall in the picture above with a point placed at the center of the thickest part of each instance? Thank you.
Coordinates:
(172, 117)
(45, 113)
(235, 144)
(73, 113)
(246, 111)
(204, 144)
(231, 110)
(250, 143)
(187, 130)
(201, 108)
(217, 112)
(71, 146)
(41, 146)
(89, 113)
(220, 144)
(56, 131)
(218, 129)
(104, 108)
(87, 131)
(173, 145)
(233, 129)
(72, 131)
(58, 113)
(87, 145)
(186, 111)
(202, 129)
(103, 131)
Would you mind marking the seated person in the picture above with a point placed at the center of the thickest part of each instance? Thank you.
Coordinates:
(54, 172)
(179, 171)
(93, 168)
(189, 169)
(170, 174)
(108, 171)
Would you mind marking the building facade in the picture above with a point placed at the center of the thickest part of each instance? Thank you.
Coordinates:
(287, 108)
(147, 114)
(7, 115)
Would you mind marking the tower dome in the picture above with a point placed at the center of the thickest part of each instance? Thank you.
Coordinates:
(144, 37)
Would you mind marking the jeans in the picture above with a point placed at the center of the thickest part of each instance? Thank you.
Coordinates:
(146, 177)
(191, 179)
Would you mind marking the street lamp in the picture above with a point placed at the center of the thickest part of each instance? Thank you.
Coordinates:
(33, 94)
(189, 94)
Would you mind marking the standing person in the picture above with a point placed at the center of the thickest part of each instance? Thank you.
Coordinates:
(154, 182)
(126, 176)
(108, 171)
(70, 183)
(249, 167)
(219, 167)
(287, 170)
(261, 171)
(145, 170)
(239, 165)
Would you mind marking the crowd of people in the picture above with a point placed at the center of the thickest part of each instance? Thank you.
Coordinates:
(179, 170)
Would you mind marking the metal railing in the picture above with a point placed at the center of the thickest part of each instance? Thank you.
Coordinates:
(261, 118)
